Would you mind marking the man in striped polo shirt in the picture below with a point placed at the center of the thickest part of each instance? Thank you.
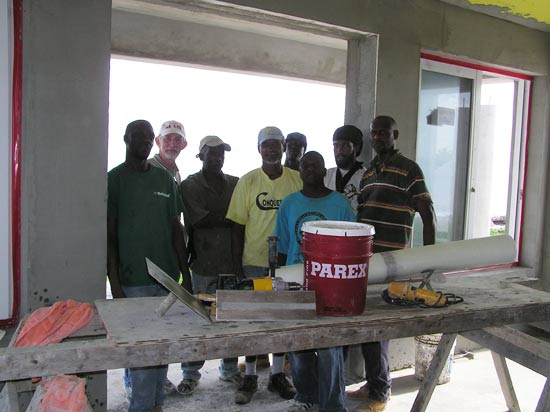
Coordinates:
(392, 191)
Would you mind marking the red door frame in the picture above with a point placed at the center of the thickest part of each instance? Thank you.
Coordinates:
(507, 73)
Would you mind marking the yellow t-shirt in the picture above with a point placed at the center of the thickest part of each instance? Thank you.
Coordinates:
(254, 204)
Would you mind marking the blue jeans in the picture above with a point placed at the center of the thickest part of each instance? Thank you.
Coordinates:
(377, 369)
(318, 376)
(228, 367)
(147, 383)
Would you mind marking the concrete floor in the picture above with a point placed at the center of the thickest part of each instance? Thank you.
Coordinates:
(473, 387)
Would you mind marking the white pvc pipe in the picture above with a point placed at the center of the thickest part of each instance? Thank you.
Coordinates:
(462, 254)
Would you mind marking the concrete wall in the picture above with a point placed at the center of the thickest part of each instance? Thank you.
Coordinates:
(65, 117)
(65, 106)
(404, 28)
(66, 48)
(139, 35)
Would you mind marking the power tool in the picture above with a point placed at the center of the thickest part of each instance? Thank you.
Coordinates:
(406, 294)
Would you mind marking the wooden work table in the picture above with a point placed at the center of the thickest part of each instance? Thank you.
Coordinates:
(135, 336)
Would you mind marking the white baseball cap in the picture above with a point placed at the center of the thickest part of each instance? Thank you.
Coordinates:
(213, 141)
(172, 126)
(270, 133)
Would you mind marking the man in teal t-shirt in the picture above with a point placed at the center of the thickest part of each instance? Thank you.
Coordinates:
(318, 374)
(143, 210)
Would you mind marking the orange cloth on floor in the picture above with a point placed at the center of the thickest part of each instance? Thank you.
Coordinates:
(64, 393)
(53, 324)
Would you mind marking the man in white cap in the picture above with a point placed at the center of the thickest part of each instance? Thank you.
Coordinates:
(206, 196)
(171, 141)
(253, 209)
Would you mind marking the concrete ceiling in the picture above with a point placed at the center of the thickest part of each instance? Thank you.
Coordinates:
(534, 14)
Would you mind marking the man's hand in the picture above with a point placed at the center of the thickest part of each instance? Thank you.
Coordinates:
(427, 214)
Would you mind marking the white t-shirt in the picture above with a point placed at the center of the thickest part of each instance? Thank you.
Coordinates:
(351, 190)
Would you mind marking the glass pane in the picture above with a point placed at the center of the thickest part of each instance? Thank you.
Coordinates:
(492, 158)
(442, 150)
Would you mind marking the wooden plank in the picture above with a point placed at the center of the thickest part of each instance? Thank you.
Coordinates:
(432, 375)
(526, 350)
(9, 401)
(265, 305)
(506, 382)
(36, 400)
(490, 301)
(544, 400)
(93, 328)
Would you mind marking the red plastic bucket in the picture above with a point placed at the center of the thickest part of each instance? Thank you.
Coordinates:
(336, 261)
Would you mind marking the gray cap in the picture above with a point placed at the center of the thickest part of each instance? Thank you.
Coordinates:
(270, 133)
(213, 141)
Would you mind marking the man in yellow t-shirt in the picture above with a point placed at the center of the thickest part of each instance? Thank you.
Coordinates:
(253, 208)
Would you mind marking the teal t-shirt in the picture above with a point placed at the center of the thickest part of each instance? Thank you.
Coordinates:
(297, 209)
(145, 204)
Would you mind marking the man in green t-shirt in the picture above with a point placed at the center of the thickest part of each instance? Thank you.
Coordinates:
(143, 210)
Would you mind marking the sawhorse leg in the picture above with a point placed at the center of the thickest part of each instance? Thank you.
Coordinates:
(432, 375)
(506, 382)
(544, 400)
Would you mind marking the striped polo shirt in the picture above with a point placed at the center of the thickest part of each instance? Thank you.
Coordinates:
(387, 200)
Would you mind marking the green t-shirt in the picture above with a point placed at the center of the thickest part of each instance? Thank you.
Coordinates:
(255, 203)
(145, 205)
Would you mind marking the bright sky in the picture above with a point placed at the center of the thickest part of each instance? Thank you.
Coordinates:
(230, 105)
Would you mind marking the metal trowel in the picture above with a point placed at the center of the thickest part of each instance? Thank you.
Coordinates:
(177, 292)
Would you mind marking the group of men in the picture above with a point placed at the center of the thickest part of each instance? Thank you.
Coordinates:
(226, 224)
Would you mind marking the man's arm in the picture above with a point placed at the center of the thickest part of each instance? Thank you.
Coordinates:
(178, 243)
(212, 220)
(427, 214)
(237, 247)
(113, 258)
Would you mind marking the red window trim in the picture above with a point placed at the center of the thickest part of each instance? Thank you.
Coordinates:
(16, 161)
(515, 75)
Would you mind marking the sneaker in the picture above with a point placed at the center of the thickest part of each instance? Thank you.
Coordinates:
(158, 408)
(371, 405)
(362, 393)
(169, 387)
(186, 387)
(236, 379)
(297, 406)
(282, 385)
(248, 387)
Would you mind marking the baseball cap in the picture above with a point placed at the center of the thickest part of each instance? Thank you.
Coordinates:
(270, 133)
(171, 126)
(213, 141)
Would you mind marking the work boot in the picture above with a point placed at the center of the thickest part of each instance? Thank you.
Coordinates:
(186, 387)
(361, 394)
(236, 379)
(371, 405)
(248, 387)
(297, 406)
(282, 385)
(169, 387)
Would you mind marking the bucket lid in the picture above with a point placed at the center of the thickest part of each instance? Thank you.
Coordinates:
(337, 228)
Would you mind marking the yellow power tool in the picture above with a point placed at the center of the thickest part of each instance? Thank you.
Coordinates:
(409, 293)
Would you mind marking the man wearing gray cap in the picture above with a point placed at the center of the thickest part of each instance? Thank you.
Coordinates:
(253, 208)
(206, 196)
